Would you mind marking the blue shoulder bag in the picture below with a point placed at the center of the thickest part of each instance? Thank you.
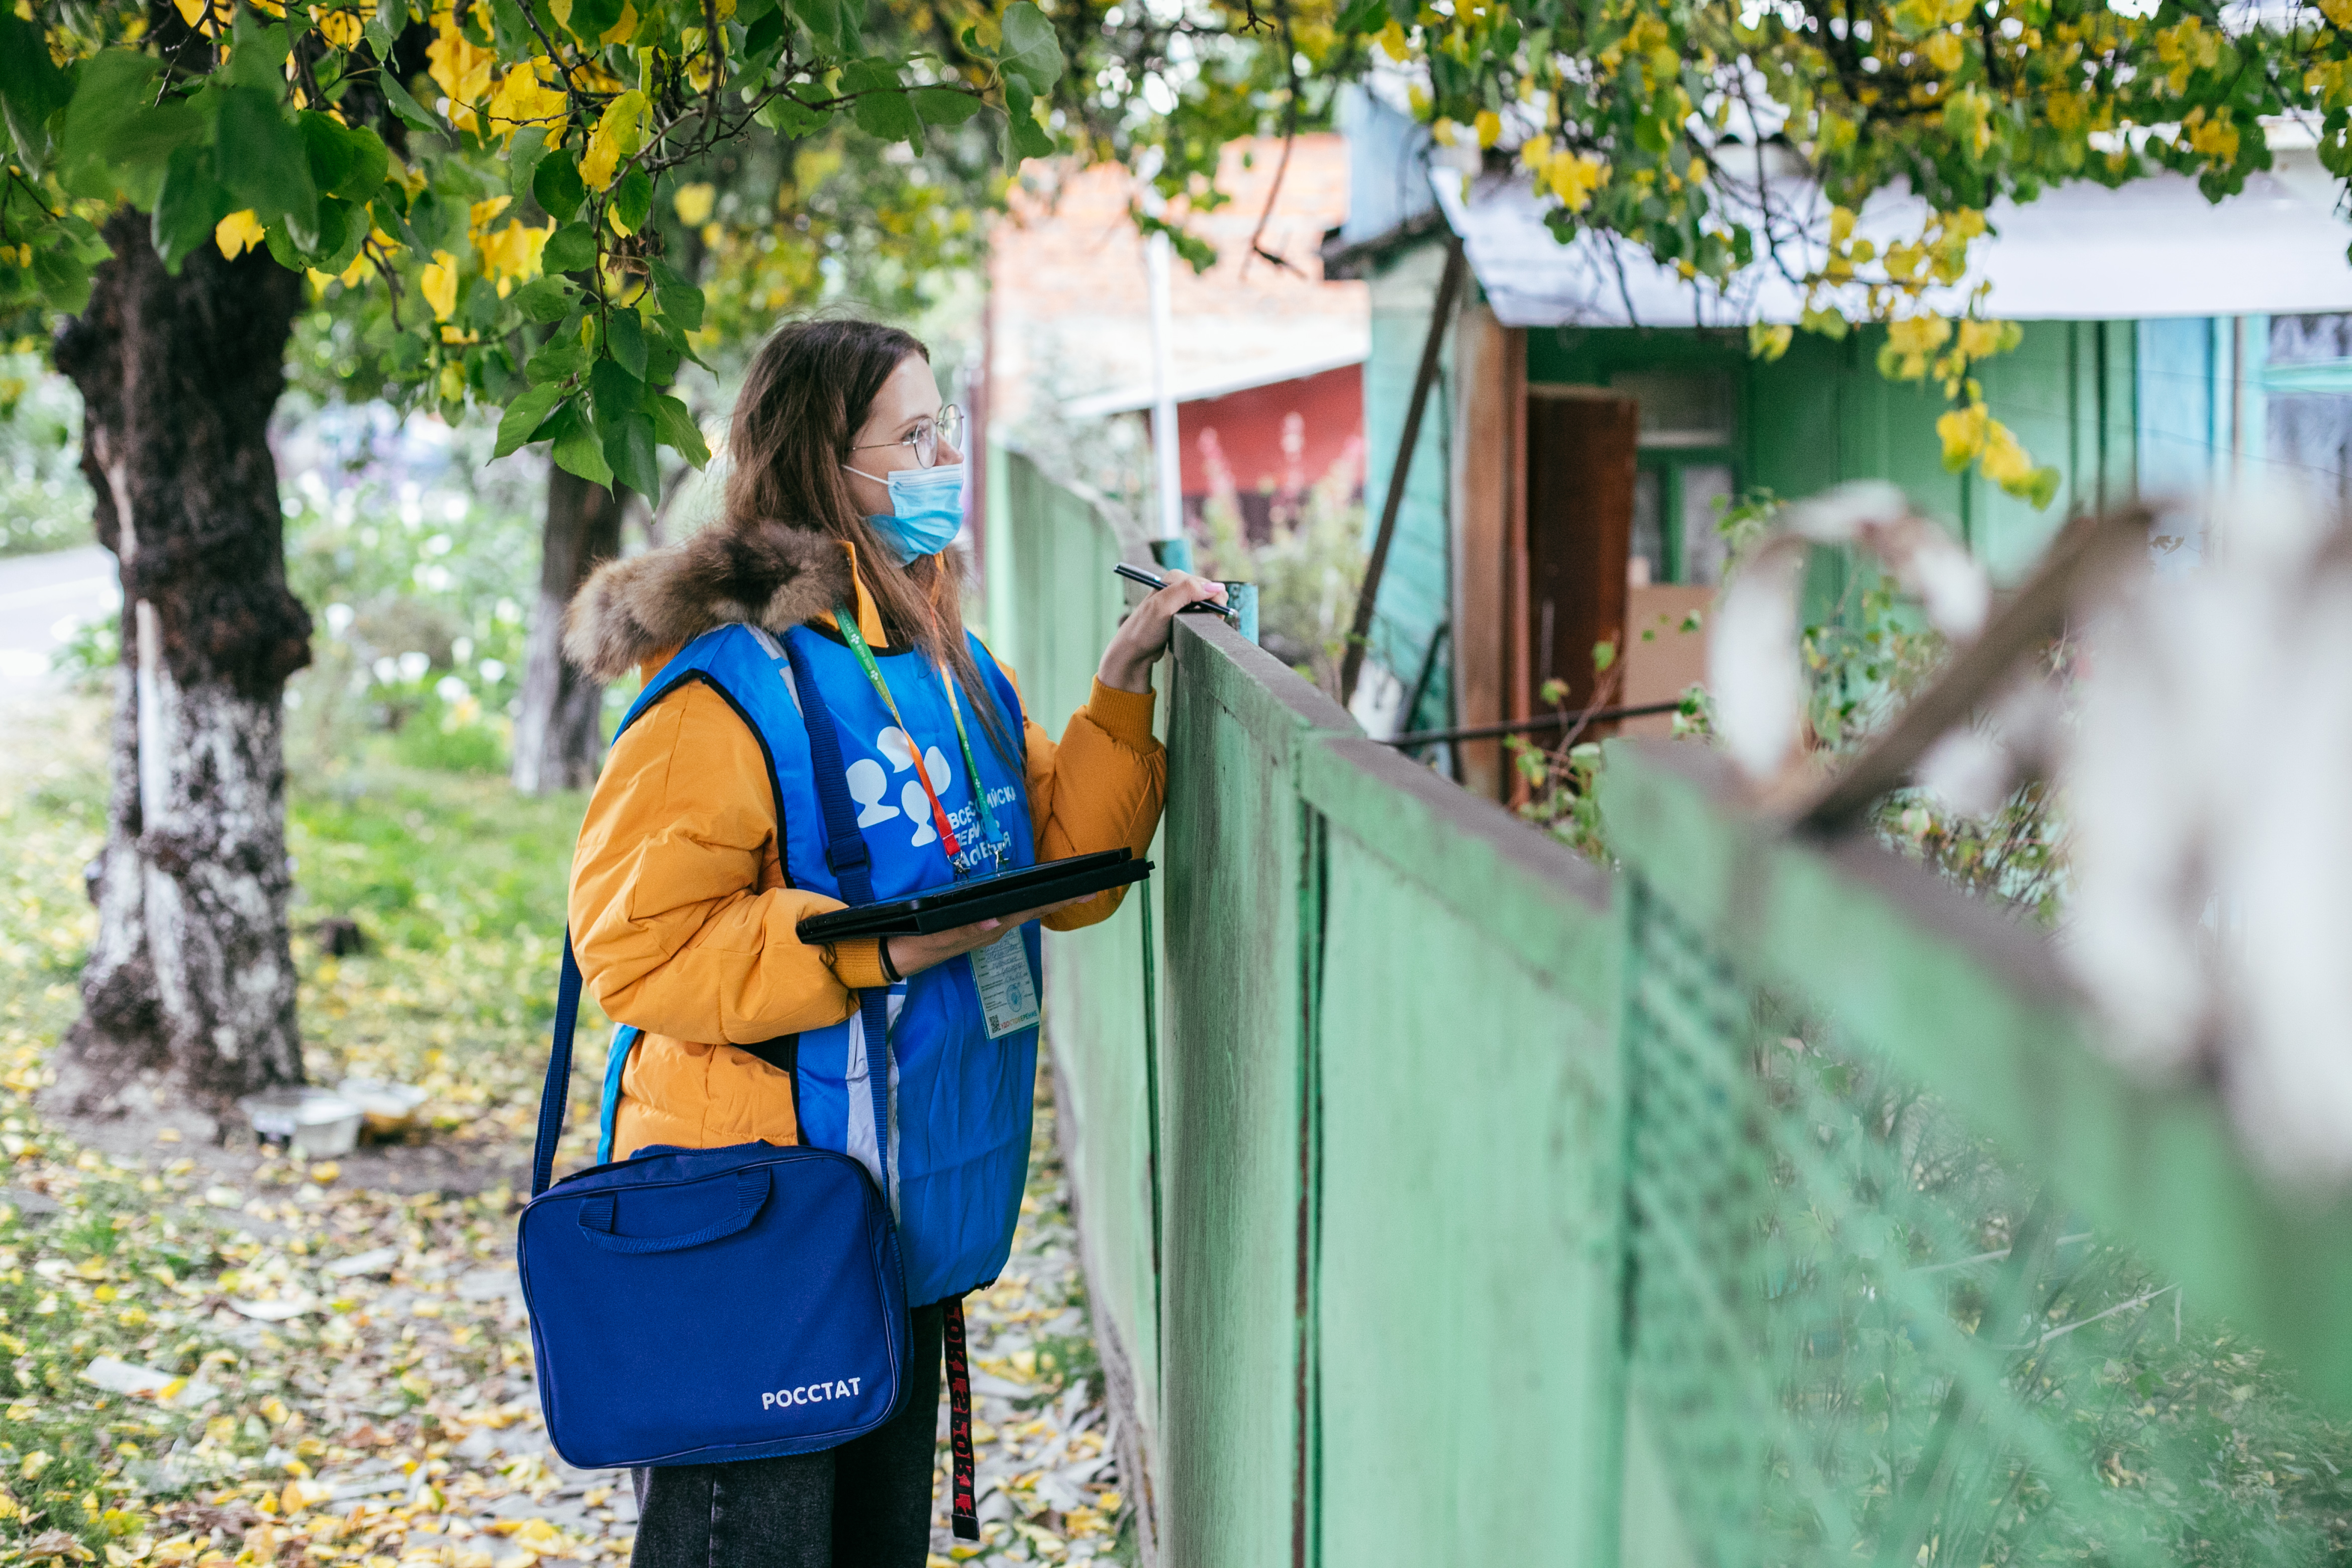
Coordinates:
(695, 1306)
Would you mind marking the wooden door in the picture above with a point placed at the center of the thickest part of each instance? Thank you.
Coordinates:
(1580, 524)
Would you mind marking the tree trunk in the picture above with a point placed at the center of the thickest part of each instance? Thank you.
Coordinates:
(191, 972)
(557, 737)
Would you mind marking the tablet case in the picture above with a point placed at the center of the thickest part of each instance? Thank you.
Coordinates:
(981, 899)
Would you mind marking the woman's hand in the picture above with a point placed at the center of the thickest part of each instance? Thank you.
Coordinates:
(1142, 637)
(910, 955)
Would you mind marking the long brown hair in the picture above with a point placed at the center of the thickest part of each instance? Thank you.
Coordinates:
(809, 391)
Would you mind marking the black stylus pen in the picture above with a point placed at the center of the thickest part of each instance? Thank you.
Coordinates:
(1137, 574)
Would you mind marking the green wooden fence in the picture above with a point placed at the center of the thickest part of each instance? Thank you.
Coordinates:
(1448, 1200)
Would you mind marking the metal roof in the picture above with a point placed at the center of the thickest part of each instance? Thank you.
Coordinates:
(2156, 247)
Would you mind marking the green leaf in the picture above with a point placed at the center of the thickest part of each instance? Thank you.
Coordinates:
(1025, 136)
(792, 119)
(407, 107)
(629, 449)
(111, 88)
(258, 61)
(615, 388)
(392, 16)
(625, 340)
(945, 105)
(32, 89)
(562, 357)
(557, 185)
(545, 298)
(283, 248)
(341, 230)
(681, 304)
(577, 450)
(888, 114)
(345, 161)
(261, 159)
(148, 134)
(661, 361)
(1032, 52)
(591, 19)
(675, 428)
(189, 206)
(513, 36)
(64, 279)
(831, 23)
(1365, 16)
(391, 218)
(520, 425)
(571, 248)
(763, 36)
(523, 156)
(633, 199)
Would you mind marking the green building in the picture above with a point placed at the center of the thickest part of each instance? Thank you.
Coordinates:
(1592, 411)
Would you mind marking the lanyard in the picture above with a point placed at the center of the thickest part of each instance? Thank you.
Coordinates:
(847, 622)
(987, 828)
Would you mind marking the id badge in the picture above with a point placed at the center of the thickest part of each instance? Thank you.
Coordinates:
(1008, 993)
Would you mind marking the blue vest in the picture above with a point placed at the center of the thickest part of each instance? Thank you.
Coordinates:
(960, 1102)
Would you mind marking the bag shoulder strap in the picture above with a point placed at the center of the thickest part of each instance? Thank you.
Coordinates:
(853, 869)
(844, 853)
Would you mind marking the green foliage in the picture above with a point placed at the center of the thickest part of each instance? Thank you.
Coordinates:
(413, 556)
(1306, 570)
(45, 504)
(436, 173)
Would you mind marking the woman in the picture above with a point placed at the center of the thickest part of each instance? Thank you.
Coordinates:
(704, 847)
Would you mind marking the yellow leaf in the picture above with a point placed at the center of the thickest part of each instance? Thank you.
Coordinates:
(619, 133)
(694, 203)
(1488, 126)
(512, 255)
(439, 285)
(1573, 178)
(460, 69)
(1392, 39)
(622, 31)
(525, 97)
(191, 11)
(238, 233)
(340, 28)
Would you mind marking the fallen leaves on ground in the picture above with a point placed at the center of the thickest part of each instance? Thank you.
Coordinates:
(207, 1360)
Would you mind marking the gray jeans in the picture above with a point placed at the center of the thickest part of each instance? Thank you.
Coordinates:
(866, 1504)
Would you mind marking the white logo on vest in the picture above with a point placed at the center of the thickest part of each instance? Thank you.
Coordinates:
(868, 784)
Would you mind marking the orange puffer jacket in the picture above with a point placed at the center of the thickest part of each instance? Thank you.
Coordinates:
(679, 913)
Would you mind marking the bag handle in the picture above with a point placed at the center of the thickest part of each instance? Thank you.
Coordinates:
(844, 853)
(596, 1219)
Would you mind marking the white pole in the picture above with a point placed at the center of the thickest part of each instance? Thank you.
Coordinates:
(1166, 452)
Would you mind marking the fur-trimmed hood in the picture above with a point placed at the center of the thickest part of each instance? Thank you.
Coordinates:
(771, 577)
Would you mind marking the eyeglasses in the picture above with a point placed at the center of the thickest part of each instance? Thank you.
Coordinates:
(946, 426)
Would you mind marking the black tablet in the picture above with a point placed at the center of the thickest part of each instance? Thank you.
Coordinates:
(980, 898)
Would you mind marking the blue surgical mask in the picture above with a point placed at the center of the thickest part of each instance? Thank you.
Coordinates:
(926, 509)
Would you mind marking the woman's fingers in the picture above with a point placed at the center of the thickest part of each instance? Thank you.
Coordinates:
(1142, 637)
(913, 955)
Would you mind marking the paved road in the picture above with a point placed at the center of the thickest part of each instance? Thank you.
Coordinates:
(42, 599)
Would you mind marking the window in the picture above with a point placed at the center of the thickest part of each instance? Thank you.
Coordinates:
(1687, 433)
